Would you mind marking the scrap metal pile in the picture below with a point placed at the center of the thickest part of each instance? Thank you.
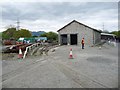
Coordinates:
(35, 49)
(14, 48)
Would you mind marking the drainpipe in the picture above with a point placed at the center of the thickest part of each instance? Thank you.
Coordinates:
(93, 38)
(59, 39)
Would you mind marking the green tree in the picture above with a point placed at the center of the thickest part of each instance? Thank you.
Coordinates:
(13, 33)
(22, 33)
(0, 35)
(34, 36)
(8, 33)
(117, 33)
(44, 35)
(52, 36)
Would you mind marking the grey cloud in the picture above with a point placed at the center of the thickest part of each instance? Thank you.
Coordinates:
(9, 13)
(65, 11)
(50, 11)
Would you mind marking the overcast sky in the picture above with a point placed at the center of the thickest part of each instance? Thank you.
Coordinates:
(51, 16)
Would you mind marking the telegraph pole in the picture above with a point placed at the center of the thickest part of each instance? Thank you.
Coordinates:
(103, 26)
(18, 24)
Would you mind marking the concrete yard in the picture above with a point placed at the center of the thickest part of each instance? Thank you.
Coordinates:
(90, 68)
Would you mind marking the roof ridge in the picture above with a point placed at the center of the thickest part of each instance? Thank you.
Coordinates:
(78, 23)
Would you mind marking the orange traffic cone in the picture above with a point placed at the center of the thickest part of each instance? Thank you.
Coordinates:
(70, 55)
(20, 55)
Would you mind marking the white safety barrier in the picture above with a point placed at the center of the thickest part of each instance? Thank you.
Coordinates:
(12, 46)
(25, 52)
(29, 47)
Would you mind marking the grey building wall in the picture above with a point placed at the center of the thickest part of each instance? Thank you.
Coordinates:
(97, 37)
(89, 34)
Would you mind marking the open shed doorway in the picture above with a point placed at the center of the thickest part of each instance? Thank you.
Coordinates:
(64, 39)
(73, 39)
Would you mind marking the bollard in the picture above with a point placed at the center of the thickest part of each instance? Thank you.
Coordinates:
(20, 55)
(71, 55)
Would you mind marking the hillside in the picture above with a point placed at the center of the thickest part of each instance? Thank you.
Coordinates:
(37, 33)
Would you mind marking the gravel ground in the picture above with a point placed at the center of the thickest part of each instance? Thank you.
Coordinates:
(90, 68)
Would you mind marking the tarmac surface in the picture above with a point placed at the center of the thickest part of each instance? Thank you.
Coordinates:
(91, 67)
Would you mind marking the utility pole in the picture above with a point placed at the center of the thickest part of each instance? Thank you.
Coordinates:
(103, 26)
(18, 24)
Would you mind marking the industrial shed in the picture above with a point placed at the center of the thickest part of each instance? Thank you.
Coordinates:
(106, 36)
(73, 32)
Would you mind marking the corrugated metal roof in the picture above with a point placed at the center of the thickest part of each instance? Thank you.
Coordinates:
(108, 34)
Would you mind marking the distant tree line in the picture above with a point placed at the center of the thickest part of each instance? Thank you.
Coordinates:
(12, 33)
(117, 33)
(52, 36)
